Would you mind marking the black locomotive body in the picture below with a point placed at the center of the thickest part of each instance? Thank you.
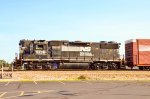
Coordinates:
(42, 54)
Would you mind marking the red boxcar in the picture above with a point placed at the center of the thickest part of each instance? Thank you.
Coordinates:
(137, 53)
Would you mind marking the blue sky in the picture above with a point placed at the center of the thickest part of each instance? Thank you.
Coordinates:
(85, 20)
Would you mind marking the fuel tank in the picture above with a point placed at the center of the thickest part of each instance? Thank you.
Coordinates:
(74, 66)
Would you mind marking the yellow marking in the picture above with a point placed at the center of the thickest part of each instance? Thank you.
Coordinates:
(35, 82)
(3, 94)
(61, 82)
(11, 97)
(22, 93)
(46, 91)
(87, 82)
(7, 83)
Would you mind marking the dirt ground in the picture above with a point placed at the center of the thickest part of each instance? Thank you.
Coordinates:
(81, 75)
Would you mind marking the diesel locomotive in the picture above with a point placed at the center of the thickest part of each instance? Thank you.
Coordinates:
(64, 54)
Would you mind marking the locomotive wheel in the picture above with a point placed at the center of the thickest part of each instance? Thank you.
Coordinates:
(105, 66)
(114, 66)
(100, 67)
(110, 66)
(55, 66)
(141, 68)
(146, 68)
(95, 66)
(149, 68)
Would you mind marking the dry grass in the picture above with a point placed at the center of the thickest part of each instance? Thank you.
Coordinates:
(76, 75)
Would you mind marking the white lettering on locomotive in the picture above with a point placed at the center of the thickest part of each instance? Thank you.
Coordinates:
(73, 48)
(40, 52)
(86, 54)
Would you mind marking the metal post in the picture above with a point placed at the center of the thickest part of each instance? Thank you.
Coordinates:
(12, 68)
(99, 52)
(2, 70)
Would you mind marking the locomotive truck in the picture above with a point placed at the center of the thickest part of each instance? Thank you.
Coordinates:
(64, 54)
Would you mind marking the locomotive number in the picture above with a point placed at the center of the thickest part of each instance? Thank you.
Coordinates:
(86, 54)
